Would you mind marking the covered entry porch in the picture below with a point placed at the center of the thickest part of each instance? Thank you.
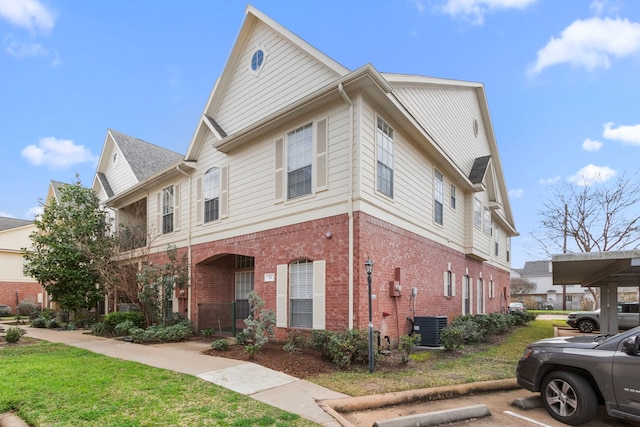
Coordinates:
(607, 271)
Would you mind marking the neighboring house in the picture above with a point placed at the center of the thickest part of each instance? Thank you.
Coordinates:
(15, 287)
(546, 295)
(300, 170)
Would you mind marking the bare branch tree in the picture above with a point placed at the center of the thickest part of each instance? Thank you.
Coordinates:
(594, 217)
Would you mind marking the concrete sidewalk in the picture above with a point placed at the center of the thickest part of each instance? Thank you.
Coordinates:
(263, 384)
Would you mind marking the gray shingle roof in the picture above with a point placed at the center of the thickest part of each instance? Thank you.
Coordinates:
(9, 223)
(479, 169)
(56, 188)
(535, 268)
(144, 158)
(105, 184)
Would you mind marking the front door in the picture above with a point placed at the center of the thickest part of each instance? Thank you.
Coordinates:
(244, 285)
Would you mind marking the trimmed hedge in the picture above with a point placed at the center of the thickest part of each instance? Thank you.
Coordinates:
(478, 328)
(112, 320)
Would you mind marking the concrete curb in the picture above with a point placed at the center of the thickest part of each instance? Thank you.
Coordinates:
(362, 403)
(437, 417)
(11, 420)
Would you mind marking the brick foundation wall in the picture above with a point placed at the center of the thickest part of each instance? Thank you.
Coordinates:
(422, 264)
(27, 291)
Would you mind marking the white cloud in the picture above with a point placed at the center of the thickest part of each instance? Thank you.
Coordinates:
(6, 215)
(57, 153)
(549, 181)
(591, 145)
(517, 193)
(29, 14)
(476, 9)
(22, 50)
(34, 212)
(627, 134)
(591, 174)
(590, 44)
(419, 5)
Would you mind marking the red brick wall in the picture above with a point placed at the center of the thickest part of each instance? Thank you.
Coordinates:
(27, 291)
(421, 261)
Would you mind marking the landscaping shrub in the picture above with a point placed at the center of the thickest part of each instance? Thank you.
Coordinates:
(452, 337)
(13, 335)
(407, 345)
(123, 328)
(342, 348)
(296, 340)
(27, 308)
(173, 333)
(320, 341)
(220, 344)
(111, 320)
(97, 328)
(259, 325)
(478, 328)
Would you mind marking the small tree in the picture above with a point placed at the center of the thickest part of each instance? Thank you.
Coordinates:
(521, 288)
(71, 241)
(157, 283)
(260, 324)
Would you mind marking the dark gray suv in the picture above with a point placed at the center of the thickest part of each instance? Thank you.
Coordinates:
(575, 374)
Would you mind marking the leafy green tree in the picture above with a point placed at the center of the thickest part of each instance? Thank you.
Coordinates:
(69, 247)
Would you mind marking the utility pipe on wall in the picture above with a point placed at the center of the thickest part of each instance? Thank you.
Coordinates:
(350, 202)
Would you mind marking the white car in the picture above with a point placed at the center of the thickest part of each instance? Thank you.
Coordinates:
(516, 306)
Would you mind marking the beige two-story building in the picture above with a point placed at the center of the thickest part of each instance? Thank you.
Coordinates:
(300, 170)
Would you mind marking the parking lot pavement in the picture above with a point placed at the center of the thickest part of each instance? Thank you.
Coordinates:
(501, 410)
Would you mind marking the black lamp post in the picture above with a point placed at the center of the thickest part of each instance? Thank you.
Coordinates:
(368, 265)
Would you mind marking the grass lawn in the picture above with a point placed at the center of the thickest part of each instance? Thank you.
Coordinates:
(50, 384)
(437, 367)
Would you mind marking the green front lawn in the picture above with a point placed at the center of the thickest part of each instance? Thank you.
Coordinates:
(437, 367)
(50, 384)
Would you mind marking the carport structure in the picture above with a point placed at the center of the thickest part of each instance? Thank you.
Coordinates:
(605, 270)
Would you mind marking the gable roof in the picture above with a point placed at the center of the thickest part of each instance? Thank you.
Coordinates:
(144, 158)
(54, 190)
(385, 89)
(7, 223)
(253, 18)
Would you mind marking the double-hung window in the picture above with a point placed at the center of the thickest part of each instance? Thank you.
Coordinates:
(167, 210)
(438, 184)
(452, 202)
(477, 213)
(299, 161)
(384, 144)
(301, 294)
(212, 194)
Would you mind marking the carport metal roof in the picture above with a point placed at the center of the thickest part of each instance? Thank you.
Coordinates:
(620, 268)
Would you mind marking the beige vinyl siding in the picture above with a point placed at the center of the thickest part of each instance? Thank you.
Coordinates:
(118, 173)
(447, 113)
(288, 74)
(11, 260)
(252, 181)
(412, 204)
(180, 214)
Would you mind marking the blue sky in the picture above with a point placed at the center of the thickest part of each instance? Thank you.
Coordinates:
(562, 80)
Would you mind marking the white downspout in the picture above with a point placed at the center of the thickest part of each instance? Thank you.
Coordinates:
(350, 202)
(188, 242)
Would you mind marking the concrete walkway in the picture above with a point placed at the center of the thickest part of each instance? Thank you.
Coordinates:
(263, 384)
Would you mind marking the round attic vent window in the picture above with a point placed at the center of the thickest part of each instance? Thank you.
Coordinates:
(257, 60)
(475, 127)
